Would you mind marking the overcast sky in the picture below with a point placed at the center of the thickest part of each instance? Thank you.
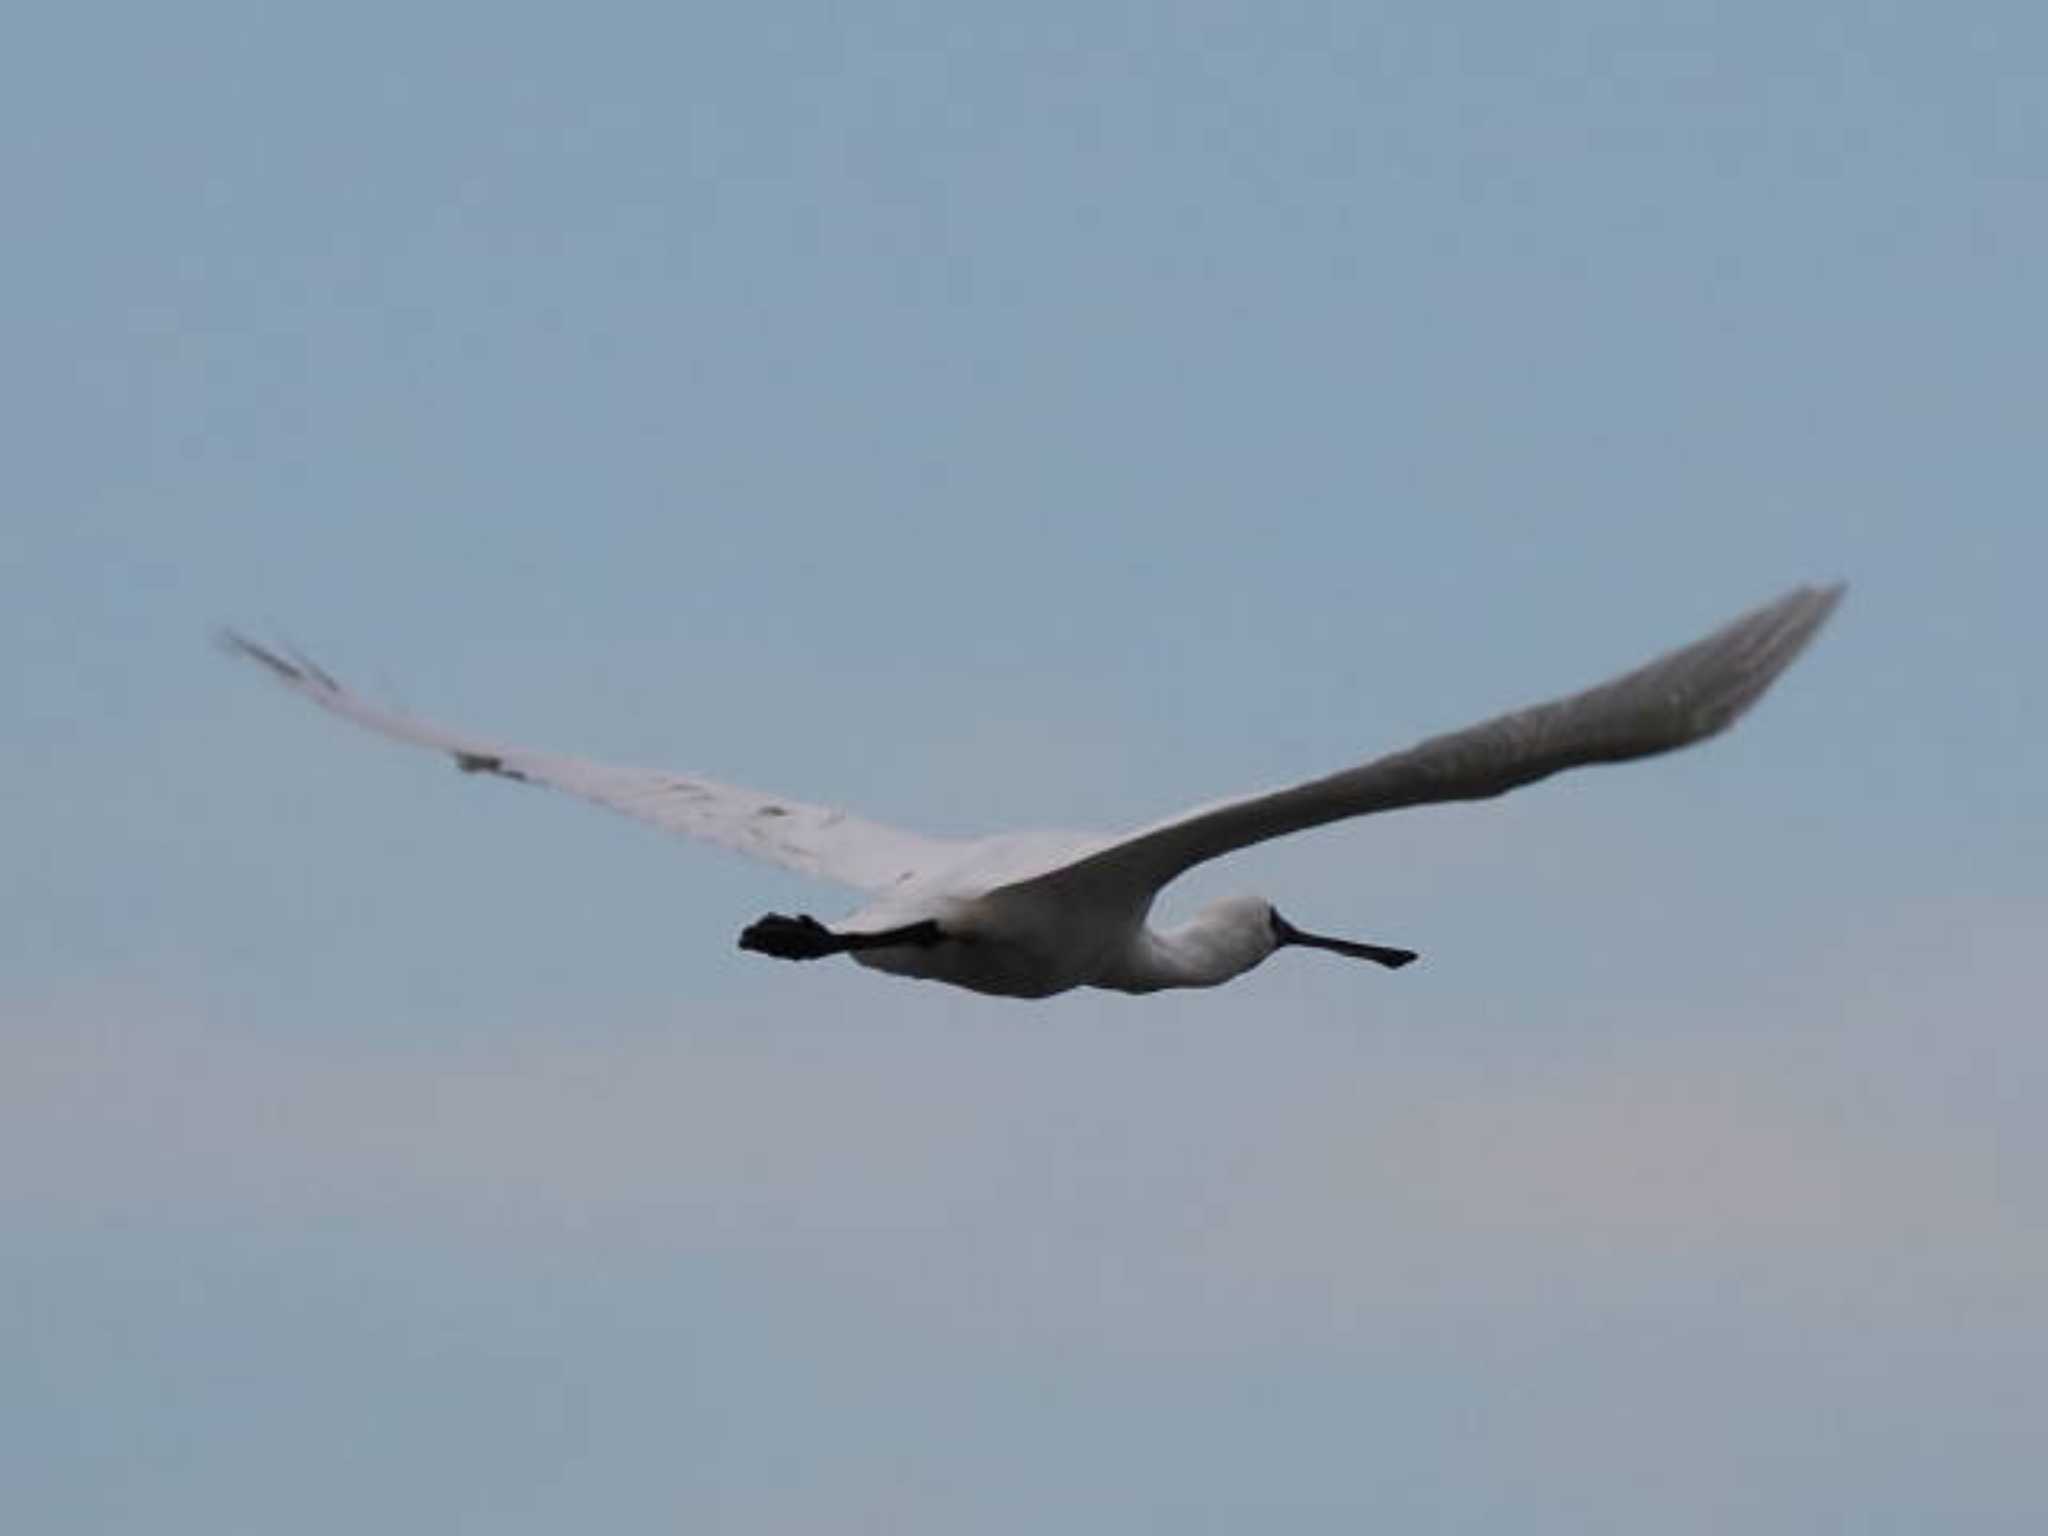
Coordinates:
(993, 416)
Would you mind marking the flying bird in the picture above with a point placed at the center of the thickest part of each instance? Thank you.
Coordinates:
(1035, 913)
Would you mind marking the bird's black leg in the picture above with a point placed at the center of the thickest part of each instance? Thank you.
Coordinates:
(805, 938)
(790, 938)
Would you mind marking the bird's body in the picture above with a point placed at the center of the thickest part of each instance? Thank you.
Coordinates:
(992, 940)
(1033, 914)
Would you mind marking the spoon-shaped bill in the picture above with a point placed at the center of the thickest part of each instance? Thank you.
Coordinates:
(1285, 933)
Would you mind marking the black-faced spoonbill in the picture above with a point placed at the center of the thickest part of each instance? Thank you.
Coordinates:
(1031, 914)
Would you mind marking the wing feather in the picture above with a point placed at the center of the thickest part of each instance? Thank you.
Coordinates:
(1682, 697)
(811, 839)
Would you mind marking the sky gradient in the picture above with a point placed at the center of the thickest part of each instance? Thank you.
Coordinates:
(984, 417)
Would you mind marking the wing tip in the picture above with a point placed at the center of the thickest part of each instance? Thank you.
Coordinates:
(1808, 608)
(1826, 596)
(286, 663)
(1806, 605)
(232, 642)
(1758, 648)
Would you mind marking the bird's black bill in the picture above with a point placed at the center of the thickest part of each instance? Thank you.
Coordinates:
(1285, 933)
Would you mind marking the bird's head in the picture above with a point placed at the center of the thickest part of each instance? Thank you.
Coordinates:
(1231, 936)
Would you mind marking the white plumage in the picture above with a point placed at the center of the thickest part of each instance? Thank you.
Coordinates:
(1031, 914)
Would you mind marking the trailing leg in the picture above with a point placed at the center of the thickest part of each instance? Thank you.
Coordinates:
(805, 938)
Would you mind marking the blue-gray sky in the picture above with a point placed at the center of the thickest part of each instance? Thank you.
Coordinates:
(992, 416)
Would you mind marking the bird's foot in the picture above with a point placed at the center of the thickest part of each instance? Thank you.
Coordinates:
(805, 938)
(791, 938)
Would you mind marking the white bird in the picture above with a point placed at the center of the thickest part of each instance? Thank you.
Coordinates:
(1032, 914)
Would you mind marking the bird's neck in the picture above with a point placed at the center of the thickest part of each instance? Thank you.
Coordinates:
(1195, 954)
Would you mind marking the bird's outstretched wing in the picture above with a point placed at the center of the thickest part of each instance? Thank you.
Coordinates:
(1682, 697)
(810, 839)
